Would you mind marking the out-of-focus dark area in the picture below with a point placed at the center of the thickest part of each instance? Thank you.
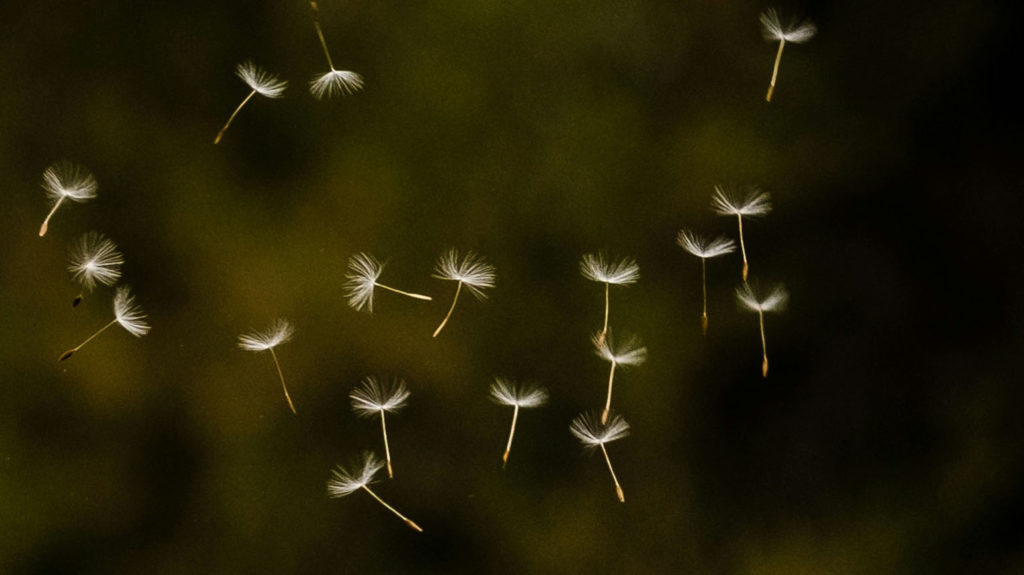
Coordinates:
(886, 439)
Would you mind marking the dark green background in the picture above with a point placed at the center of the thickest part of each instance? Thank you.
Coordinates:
(886, 439)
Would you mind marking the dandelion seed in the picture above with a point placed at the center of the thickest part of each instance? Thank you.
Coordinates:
(126, 313)
(775, 301)
(94, 259)
(375, 397)
(345, 481)
(755, 203)
(470, 271)
(260, 82)
(593, 435)
(280, 332)
(596, 268)
(364, 269)
(336, 81)
(508, 393)
(628, 354)
(704, 248)
(66, 181)
(796, 32)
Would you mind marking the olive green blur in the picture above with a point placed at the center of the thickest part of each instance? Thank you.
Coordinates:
(886, 437)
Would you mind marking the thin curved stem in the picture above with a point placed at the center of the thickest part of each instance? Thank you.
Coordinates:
(408, 521)
(283, 386)
(387, 450)
(508, 446)
(220, 134)
(320, 33)
(618, 488)
(704, 291)
(455, 300)
(775, 72)
(608, 402)
(743, 247)
(67, 354)
(46, 222)
(405, 293)
(764, 347)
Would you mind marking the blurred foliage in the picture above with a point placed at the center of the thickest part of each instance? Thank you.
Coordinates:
(886, 438)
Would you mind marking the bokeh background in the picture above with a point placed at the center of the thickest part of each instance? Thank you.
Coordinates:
(886, 438)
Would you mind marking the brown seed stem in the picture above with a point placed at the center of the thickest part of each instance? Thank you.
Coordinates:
(764, 346)
(46, 222)
(743, 247)
(511, 434)
(281, 375)
(775, 71)
(405, 293)
(608, 402)
(387, 449)
(450, 310)
(408, 521)
(220, 134)
(320, 33)
(67, 354)
(618, 488)
(704, 291)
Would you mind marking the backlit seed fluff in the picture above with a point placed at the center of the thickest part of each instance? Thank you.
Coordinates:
(596, 268)
(348, 480)
(94, 259)
(703, 247)
(280, 332)
(363, 271)
(508, 393)
(65, 180)
(731, 203)
(258, 79)
(128, 314)
(592, 433)
(335, 83)
(374, 395)
(776, 299)
(471, 270)
(629, 353)
(795, 31)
